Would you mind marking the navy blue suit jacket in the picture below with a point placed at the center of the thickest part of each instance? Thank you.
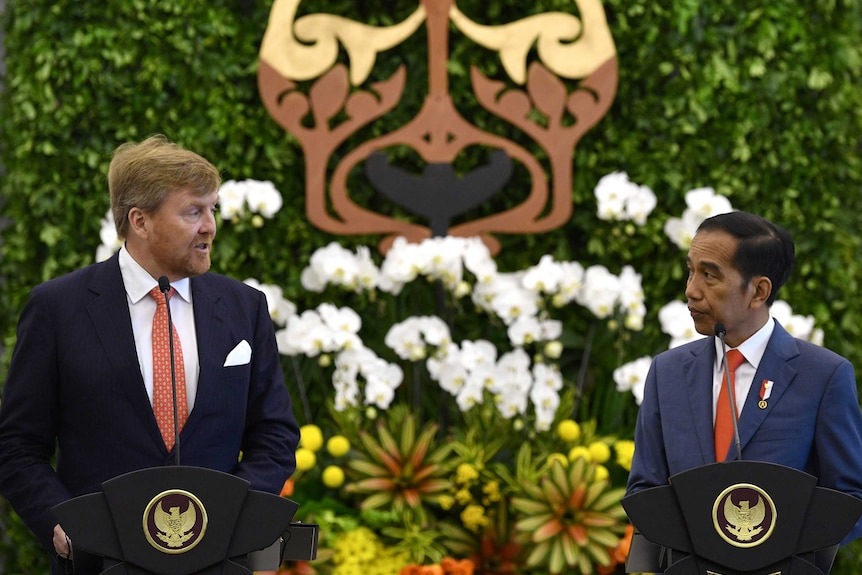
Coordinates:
(74, 382)
(812, 421)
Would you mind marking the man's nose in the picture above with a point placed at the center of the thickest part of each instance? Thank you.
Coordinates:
(208, 225)
(692, 291)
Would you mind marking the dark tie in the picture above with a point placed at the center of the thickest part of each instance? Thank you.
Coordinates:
(163, 404)
(723, 417)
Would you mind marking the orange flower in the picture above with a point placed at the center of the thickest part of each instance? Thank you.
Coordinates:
(620, 553)
(448, 566)
(422, 570)
(496, 557)
(287, 488)
(457, 567)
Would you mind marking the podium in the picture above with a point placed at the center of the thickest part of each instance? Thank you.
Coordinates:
(184, 520)
(739, 518)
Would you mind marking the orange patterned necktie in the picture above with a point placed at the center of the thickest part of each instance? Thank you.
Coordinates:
(723, 418)
(163, 405)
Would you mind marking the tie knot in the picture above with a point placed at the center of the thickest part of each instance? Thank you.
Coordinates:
(157, 295)
(734, 359)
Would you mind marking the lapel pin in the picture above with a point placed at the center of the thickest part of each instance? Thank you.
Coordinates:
(765, 392)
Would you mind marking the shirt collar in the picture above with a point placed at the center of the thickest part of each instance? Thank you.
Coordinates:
(139, 282)
(753, 348)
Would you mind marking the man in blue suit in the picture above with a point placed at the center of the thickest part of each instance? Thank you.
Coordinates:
(82, 372)
(797, 402)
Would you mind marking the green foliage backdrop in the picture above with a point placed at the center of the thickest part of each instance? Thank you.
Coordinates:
(762, 101)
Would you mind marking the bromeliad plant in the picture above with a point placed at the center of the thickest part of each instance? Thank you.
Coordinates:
(399, 470)
(572, 518)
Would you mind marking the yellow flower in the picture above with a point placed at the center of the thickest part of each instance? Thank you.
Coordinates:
(446, 502)
(463, 496)
(305, 459)
(310, 437)
(625, 449)
(601, 473)
(473, 517)
(338, 445)
(569, 430)
(599, 451)
(492, 490)
(559, 457)
(580, 451)
(333, 477)
(466, 474)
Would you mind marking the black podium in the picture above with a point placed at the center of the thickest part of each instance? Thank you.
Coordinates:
(739, 518)
(184, 520)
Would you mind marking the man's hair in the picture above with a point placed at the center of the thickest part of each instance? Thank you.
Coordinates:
(142, 174)
(763, 248)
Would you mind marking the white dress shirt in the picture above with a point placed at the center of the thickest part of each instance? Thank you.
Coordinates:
(142, 307)
(752, 349)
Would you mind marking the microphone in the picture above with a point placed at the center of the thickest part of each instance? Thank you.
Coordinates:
(165, 288)
(720, 333)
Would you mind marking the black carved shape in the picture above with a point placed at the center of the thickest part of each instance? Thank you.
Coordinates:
(438, 194)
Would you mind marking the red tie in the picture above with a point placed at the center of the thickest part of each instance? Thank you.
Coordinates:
(723, 418)
(163, 405)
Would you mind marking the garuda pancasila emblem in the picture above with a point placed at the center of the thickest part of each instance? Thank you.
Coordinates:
(174, 521)
(323, 102)
(175, 528)
(745, 521)
(744, 515)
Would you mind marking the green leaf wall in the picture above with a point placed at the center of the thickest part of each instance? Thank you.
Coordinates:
(760, 100)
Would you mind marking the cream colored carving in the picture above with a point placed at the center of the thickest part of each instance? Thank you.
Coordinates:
(314, 48)
(556, 37)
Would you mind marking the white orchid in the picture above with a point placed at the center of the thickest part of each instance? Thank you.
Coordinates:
(675, 320)
(601, 291)
(631, 377)
(544, 277)
(263, 198)
(110, 240)
(280, 308)
(701, 203)
(705, 203)
(260, 197)
(332, 264)
(231, 199)
(620, 199)
(800, 326)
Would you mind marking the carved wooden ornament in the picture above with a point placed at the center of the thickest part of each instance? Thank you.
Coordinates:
(306, 50)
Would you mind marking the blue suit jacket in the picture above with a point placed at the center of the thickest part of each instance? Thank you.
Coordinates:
(812, 421)
(74, 382)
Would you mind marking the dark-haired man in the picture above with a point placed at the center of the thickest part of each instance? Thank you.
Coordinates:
(811, 419)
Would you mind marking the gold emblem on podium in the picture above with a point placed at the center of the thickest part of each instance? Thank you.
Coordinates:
(174, 521)
(744, 515)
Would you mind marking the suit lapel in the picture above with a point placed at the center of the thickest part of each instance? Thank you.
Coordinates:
(773, 366)
(698, 375)
(109, 311)
(213, 336)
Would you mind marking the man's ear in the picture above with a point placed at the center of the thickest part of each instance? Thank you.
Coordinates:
(762, 290)
(137, 222)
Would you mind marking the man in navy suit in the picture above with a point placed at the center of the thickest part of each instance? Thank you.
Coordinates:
(797, 401)
(82, 372)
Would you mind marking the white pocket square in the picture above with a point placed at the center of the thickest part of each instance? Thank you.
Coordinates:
(240, 355)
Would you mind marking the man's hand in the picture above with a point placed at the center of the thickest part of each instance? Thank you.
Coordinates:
(62, 543)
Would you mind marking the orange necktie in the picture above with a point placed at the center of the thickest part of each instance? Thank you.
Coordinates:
(723, 418)
(163, 404)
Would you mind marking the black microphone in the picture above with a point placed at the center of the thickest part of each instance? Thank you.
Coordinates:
(720, 333)
(165, 288)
